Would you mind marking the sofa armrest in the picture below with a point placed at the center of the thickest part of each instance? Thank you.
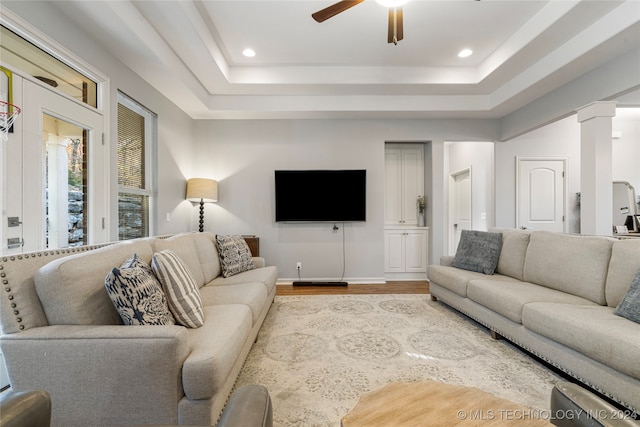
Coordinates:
(87, 369)
(446, 260)
(259, 262)
(25, 408)
(574, 406)
(249, 406)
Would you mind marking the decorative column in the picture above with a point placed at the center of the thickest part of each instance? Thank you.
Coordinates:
(596, 175)
(57, 216)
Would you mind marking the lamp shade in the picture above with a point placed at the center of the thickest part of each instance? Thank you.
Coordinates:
(202, 189)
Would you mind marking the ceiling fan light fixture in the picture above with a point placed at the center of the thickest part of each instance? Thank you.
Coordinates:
(391, 3)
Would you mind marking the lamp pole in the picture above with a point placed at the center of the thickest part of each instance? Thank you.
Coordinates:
(201, 215)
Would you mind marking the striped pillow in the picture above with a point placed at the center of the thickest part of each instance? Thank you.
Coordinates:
(180, 287)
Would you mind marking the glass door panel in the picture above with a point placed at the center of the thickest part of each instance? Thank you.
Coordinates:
(65, 149)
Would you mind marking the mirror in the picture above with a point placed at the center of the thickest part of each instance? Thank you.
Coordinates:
(624, 205)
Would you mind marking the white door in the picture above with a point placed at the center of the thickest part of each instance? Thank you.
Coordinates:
(394, 251)
(541, 194)
(413, 183)
(404, 182)
(393, 186)
(461, 211)
(38, 176)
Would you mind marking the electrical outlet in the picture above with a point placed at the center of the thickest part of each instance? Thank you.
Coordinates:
(299, 265)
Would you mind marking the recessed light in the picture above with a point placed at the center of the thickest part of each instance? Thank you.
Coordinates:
(465, 53)
(249, 53)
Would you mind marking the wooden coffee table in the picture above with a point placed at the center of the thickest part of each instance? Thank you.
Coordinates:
(433, 403)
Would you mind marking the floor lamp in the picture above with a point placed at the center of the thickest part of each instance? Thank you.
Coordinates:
(202, 190)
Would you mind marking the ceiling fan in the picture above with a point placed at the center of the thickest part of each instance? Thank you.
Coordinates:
(395, 32)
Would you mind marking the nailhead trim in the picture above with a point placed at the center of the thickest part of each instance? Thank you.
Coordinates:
(38, 254)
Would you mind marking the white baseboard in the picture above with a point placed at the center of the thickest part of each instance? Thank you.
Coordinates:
(398, 277)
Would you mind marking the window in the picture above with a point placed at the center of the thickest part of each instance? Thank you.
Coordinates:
(25, 56)
(136, 142)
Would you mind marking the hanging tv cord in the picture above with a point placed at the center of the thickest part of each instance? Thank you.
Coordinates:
(344, 258)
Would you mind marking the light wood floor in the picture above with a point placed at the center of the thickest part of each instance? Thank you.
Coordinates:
(414, 287)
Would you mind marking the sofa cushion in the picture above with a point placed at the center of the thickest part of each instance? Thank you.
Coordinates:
(624, 263)
(592, 330)
(630, 305)
(235, 255)
(71, 288)
(181, 290)
(137, 294)
(184, 246)
(478, 251)
(456, 280)
(570, 263)
(253, 295)
(208, 255)
(266, 275)
(514, 250)
(215, 349)
(508, 298)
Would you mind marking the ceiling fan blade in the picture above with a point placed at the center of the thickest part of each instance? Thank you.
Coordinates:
(334, 9)
(396, 31)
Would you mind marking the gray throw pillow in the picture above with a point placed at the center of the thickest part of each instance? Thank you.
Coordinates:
(180, 287)
(137, 294)
(235, 255)
(478, 251)
(629, 307)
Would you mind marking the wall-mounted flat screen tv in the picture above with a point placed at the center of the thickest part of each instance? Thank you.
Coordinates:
(321, 195)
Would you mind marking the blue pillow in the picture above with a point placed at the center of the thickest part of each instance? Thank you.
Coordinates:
(137, 294)
(629, 307)
(478, 251)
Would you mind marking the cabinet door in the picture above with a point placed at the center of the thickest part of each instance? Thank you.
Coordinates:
(394, 251)
(393, 186)
(412, 183)
(415, 251)
(404, 182)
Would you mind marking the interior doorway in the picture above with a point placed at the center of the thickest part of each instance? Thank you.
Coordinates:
(460, 208)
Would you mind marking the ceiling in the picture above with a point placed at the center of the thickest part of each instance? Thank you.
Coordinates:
(191, 51)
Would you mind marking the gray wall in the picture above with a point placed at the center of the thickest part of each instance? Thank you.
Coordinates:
(242, 155)
(562, 139)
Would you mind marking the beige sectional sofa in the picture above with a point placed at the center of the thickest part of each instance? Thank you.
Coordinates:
(61, 333)
(554, 295)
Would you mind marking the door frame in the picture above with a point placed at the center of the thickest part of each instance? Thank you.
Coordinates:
(564, 160)
(48, 45)
(452, 202)
(40, 99)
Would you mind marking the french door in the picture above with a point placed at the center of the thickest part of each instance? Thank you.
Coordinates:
(55, 175)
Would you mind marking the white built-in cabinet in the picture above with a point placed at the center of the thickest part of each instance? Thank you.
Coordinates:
(405, 249)
(406, 244)
(404, 182)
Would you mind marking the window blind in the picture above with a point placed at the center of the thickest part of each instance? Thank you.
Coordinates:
(131, 146)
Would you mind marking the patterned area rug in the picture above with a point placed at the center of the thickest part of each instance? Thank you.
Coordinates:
(318, 354)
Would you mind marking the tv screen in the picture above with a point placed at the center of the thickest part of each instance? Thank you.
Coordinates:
(321, 195)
